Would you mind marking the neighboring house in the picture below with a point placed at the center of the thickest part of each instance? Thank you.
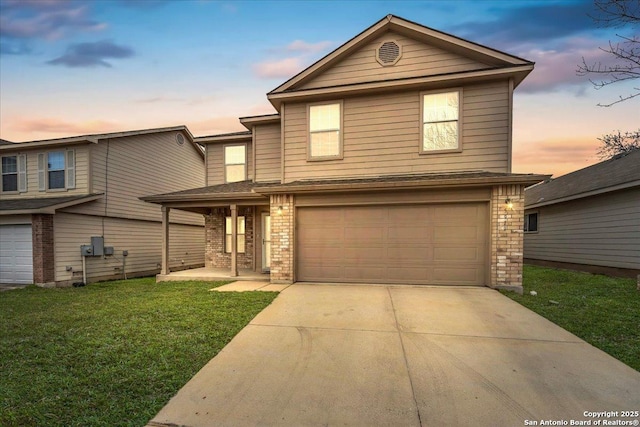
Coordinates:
(58, 194)
(388, 161)
(587, 220)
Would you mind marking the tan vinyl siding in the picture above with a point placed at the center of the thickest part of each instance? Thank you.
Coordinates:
(268, 159)
(601, 230)
(143, 165)
(418, 59)
(143, 240)
(382, 136)
(81, 173)
(215, 161)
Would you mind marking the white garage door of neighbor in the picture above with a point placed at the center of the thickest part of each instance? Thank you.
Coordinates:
(16, 259)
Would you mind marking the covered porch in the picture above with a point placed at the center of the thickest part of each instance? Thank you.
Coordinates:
(237, 232)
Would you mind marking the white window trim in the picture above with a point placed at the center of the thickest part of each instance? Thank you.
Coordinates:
(224, 159)
(227, 250)
(524, 226)
(460, 111)
(340, 154)
(21, 174)
(69, 171)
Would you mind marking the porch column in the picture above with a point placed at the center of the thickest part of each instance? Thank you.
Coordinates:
(234, 240)
(165, 240)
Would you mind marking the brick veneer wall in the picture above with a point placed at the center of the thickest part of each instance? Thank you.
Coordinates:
(44, 271)
(507, 237)
(215, 255)
(282, 228)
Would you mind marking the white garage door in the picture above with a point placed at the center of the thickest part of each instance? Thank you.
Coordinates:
(419, 244)
(16, 259)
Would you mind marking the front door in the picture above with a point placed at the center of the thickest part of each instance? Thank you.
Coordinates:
(266, 241)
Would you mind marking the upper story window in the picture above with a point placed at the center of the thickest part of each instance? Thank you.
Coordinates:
(325, 133)
(531, 222)
(14, 173)
(235, 163)
(57, 170)
(441, 121)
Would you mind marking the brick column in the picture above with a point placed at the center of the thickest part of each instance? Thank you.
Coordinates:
(43, 251)
(282, 247)
(507, 237)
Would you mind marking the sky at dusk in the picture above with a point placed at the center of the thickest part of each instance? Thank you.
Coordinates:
(80, 67)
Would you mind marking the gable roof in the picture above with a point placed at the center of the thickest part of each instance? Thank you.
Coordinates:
(619, 172)
(495, 59)
(95, 138)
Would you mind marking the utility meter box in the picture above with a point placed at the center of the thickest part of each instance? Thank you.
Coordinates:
(98, 245)
(86, 250)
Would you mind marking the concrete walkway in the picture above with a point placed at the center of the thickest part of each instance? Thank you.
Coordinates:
(401, 356)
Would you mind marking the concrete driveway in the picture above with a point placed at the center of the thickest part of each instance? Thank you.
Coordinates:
(402, 356)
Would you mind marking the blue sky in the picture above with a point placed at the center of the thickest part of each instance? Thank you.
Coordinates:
(78, 67)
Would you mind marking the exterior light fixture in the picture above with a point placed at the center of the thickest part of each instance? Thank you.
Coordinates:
(279, 210)
(508, 204)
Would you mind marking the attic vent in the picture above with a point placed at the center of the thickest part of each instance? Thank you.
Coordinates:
(388, 53)
(179, 138)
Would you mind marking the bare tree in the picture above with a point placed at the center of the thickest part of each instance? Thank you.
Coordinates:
(617, 143)
(625, 52)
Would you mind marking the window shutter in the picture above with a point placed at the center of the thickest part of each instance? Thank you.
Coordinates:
(71, 169)
(42, 184)
(22, 173)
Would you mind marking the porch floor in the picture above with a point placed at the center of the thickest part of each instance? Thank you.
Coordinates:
(209, 274)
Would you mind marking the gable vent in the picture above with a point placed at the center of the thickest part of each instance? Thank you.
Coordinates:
(388, 53)
(179, 138)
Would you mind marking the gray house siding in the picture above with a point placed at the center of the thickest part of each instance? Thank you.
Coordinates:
(602, 230)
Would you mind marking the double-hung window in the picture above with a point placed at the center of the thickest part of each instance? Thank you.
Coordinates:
(325, 131)
(235, 163)
(14, 173)
(57, 170)
(531, 222)
(228, 235)
(441, 121)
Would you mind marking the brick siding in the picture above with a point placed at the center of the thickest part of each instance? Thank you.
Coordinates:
(282, 228)
(507, 237)
(43, 250)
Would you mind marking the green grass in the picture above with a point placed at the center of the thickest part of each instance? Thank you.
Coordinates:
(111, 353)
(604, 311)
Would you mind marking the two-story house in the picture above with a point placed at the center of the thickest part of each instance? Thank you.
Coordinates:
(387, 161)
(70, 209)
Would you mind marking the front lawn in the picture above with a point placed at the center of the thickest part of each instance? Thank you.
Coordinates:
(112, 353)
(604, 311)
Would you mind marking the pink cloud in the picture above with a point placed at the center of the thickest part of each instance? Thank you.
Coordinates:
(278, 69)
(555, 156)
(215, 125)
(47, 127)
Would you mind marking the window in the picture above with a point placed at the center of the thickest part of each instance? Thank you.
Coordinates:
(325, 138)
(531, 222)
(440, 121)
(228, 236)
(235, 163)
(56, 170)
(14, 173)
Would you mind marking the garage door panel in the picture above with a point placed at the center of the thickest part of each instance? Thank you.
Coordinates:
(16, 256)
(456, 254)
(422, 244)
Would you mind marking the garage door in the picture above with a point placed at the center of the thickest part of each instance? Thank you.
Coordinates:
(16, 262)
(417, 244)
